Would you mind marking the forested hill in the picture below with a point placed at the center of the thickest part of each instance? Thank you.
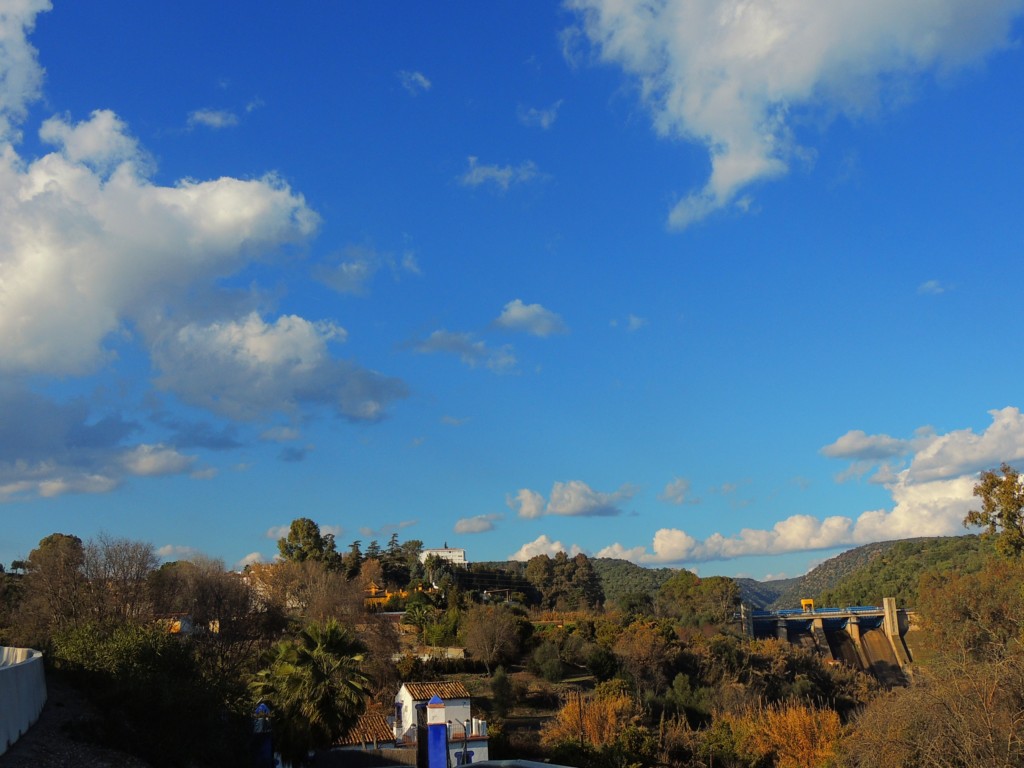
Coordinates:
(621, 578)
(860, 576)
(864, 575)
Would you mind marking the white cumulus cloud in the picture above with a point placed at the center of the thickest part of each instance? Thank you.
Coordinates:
(732, 74)
(543, 545)
(156, 460)
(570, 499)
(530, 318)
(930, 498)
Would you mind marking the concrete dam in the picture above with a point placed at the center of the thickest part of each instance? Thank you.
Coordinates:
(866, 637)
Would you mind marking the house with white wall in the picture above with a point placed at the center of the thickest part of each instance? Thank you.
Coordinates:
(467, 736)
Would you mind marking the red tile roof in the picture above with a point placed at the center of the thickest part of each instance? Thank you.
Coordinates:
(444, 689)
(372, 727)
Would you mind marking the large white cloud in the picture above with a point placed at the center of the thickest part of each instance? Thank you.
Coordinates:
(570, 499)
(930, 497)
(731, 74)
(95, 257)
(91, 246)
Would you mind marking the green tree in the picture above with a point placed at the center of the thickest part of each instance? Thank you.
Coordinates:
(315, 687)
(502, 693)
(306, 542)
(1002, 509)
(697, 601)
(55, 589)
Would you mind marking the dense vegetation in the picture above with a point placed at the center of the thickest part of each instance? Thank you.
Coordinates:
(625, 667)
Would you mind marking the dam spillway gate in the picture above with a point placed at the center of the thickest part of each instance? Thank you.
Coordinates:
(866, 637)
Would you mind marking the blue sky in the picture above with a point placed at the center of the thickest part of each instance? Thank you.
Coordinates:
(719, 285)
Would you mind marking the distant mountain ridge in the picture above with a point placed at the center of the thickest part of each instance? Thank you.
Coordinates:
(860, 576)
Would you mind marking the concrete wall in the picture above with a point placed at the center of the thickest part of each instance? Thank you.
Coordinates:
(22, 692)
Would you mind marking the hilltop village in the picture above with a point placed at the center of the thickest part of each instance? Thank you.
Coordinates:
(326, 656)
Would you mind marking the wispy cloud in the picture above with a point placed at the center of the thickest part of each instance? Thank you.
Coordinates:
(352, 270)
(212, 118)
(539, 118)
(477, 523)
(414, 82)
(677, 491)
(500, 176)
(932, 288)
(469, 350)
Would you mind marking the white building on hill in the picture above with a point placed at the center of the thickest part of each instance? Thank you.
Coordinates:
(451, 554)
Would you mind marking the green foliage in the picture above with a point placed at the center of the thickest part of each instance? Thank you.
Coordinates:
(305, 542)
(315, 688)
(695, 703)
(502, 693)
(152, 699)
(546, 661)
(444, 629)
(1002, 509)
(622, 580)
(565, 583)
(744, 673)
(601, 662)
(896, 570)
(694, 601)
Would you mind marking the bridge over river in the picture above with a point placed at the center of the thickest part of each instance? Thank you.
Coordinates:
(866, 637)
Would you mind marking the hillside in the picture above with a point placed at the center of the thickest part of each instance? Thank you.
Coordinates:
(866, 574)
(860, 576)
(620, 578)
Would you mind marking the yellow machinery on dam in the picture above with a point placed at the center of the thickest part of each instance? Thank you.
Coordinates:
(865, 637)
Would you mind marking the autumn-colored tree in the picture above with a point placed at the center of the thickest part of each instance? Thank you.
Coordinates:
(960, 715)
(974, 615)
(792, 735)
(594, 720)
(1002, 509)
(646, 652)
(491, 633)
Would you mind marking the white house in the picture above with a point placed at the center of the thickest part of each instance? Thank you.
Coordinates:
(467, 736)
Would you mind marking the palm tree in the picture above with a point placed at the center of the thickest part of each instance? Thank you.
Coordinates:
(315, 688)
(420, 615)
